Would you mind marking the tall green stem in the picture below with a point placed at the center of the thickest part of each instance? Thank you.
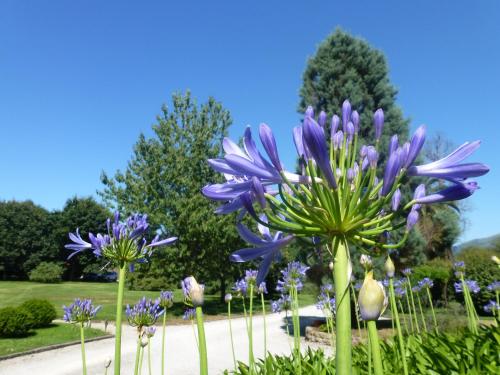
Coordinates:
(82, 340)
(432, 310)
(421, 312)
(343, 342)
(251, 358)
(265, 326)
(296, 329)
(356, 310)
(149, 355)
(137, 355)
(377, 358)
(163, 344)
(395, 313)
(202, 342)
(231, 333)
(119, 310)
(410, 291)
(404, 318)
(409, 312)
(140, 359)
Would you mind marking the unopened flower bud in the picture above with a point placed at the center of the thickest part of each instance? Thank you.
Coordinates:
(355, 121)
(372, 298)
(228, 297)
(330, 266)
(335, 125)
(390, 270)
(322, 119)
(193, 291)
(107, 362)
(495, 259)
(365, 261)
(144, 342)
(378, 121)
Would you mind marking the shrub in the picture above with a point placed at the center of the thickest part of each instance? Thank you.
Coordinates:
(41, 312)
(440, 271)
(46, 272)
(14, 322)
(480, 267)
(139, 282)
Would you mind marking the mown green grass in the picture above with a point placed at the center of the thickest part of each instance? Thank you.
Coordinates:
(54, 334)
(13, 293)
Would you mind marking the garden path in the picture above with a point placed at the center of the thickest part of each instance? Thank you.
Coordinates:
(182, 354)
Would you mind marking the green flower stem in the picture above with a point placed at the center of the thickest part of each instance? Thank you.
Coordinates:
(82, 340)
(432, 310)
(469, 305)
(195, 335)
(137, 355)
(394, 311)
(369, 354)
(202, 342)
(375, 346)
(119, 310)
(163, 344)
(343, 342)
(356, 310)
(251, 358)
(296, 328)
(265, 326)
(421, 312)
(410, 291)
(404, 318)
(231, 333)
(409, 312)
(140, 359)
(149, 355)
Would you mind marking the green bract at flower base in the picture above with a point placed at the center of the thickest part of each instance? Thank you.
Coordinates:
(337, 200)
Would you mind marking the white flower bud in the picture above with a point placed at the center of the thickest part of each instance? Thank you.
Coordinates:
(372, 298)
(228, 297)
(330, 266)
(366, 261)
(390, 270)
(196, 291)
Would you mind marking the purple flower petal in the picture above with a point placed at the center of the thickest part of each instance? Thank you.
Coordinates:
(417, 141)
(378, 122)
(453, 193)
(269, 143)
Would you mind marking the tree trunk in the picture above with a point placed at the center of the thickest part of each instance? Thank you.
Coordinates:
(222, 288)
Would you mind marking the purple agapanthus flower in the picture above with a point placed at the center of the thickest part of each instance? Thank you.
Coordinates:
(80, 311)
(491, 307)
(426, 283)
(144, 313)
(262, 289)
(457, 191)
(267, 247)
(472, 285)
(116, 244)
(284, 303)
(449, 167)
(407, 272)
(166, 299)
(241, 287)
(189, 314)
(150, 331)
(326, 299)
(292, 277)
(494, 287)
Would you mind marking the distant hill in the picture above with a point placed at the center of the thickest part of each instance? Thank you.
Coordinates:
(486, 242)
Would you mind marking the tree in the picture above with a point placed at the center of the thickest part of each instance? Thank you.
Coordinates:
(164, 178)
(345, 67)
(87, 215)
(25, 238)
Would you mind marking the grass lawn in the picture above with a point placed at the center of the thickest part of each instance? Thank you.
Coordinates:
(55, 334)
(13, 293)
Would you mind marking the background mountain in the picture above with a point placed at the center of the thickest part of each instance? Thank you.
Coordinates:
(492, 242)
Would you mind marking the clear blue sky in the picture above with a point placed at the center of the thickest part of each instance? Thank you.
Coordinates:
(80, 80)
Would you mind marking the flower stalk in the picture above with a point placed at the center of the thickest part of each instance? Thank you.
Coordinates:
(119, 312)
(343, 337)
(395, 316)
(202, 341)
(82, 341)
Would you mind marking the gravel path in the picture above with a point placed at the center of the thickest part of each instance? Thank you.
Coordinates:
(181, 351)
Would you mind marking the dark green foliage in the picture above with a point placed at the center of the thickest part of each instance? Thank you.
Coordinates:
(440, 271)
(480, 267)
(164, 178)
(14, 322)
(138, 281)
(432, 354)
(345, 67)
(47, 272)
(41, 311)
(25, 238)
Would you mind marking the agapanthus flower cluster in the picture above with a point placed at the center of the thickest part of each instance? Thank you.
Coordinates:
(338, 193)
(491, 307)
(144, 313)
(425, 283)
(80, 311)
(494, 287)
(292, 278)
(472, 285)
(407, 272)
(284, 303)
(326, 299)
(189, 314)
(150, 331)
(262, 288)
(124, 243)
(459, 268)
(241, 287)
(166, 299)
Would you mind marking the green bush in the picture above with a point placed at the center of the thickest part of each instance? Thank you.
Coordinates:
(440, 271)
(41, 312)
(14, 322)
(47, 272)
(480, 267)
(139, 282)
